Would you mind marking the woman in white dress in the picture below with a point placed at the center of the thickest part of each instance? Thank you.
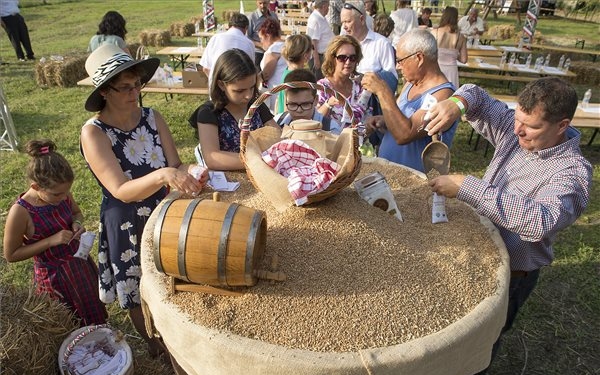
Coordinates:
(272, 65)
(452, 45)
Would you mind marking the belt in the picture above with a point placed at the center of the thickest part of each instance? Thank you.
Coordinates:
(518, 273)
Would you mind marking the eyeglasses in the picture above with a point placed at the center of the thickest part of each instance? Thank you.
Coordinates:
(399, 61)
(294, 106)
(352, 7)
(344, 58)
(128, 89)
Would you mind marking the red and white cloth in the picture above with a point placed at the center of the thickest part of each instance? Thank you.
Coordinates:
(307, 172)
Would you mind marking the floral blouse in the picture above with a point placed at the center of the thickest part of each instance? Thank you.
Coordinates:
(337, 112)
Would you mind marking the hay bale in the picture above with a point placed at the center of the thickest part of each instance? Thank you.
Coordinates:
(33, 328)
(143, 38)
(40, 76)
(227, 15)
(198, 19)
(187, 30)
(162, 38)
(502, 32)
(157, 38)
(182, 29)
(133, 47)
(587, 73)
(174, 28)
(62, 71)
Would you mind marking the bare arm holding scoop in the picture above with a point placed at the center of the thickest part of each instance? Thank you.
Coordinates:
(442, 115)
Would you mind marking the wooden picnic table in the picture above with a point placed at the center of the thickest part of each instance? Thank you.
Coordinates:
(290, 30)
(179, 55)
(584, 118)
(204, 37)
(593, 53)
(493, 64)
(489, 68)
(161, 87)
(483, 50)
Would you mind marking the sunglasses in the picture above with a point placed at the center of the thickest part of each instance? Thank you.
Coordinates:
(344, 58)
(352, 7)
(399, 61)
(128, 89)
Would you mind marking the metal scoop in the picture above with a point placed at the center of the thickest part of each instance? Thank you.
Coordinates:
(436, 156)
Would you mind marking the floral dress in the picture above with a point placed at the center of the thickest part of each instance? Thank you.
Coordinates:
(73, 281)
(337, 112)
(139, 152)
(229, 131)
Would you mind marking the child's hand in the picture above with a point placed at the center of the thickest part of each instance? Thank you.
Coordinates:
(61, 238)
(78, 229)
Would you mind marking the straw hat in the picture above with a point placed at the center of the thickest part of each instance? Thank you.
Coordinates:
(105, 63)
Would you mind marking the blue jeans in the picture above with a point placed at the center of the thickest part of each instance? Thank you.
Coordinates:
(521, 286)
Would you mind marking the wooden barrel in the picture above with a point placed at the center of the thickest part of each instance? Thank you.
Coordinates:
(209, 242)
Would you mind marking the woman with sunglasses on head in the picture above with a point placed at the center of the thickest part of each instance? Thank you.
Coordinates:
(132, 154)
(341, 59)
(232, 91)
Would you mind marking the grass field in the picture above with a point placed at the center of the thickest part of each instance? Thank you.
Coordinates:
(557, 331)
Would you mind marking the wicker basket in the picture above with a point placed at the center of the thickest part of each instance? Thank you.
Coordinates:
(273, 185)
(93, 333)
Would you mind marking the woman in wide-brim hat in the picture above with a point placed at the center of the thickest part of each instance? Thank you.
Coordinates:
(132, 154)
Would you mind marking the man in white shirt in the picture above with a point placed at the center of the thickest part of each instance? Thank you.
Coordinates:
(333, 16)
(378, 53)
(234, 37)
(257, 18)
(319, 31)
(405, 19)
(471, 24)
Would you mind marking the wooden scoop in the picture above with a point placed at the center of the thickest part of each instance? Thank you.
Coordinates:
(436, 156)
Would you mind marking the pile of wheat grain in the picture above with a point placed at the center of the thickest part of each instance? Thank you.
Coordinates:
(357, 277)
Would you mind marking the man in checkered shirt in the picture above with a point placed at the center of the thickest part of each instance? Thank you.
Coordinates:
(537, 182)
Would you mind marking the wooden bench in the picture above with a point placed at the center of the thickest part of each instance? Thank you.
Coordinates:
(499, 77)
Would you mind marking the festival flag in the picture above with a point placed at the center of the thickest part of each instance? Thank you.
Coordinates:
(532, 16)
(209, 15)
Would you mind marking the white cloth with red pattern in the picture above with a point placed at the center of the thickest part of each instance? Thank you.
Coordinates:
(307, 172)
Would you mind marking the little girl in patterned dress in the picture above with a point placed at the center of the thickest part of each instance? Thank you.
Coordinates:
(45, 224)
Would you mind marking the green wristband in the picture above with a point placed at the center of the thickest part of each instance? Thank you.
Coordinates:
(77, 222)
(460, 104)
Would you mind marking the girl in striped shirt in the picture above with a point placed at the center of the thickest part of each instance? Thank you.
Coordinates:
(45, 224)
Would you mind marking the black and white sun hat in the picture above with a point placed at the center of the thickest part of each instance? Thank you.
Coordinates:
(105, 63)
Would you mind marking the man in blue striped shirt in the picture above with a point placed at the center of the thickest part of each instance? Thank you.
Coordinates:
(537, 182)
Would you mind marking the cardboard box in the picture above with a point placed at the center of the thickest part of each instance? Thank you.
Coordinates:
(194, 79)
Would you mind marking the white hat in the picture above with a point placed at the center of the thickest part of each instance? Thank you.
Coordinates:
(105, 63)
